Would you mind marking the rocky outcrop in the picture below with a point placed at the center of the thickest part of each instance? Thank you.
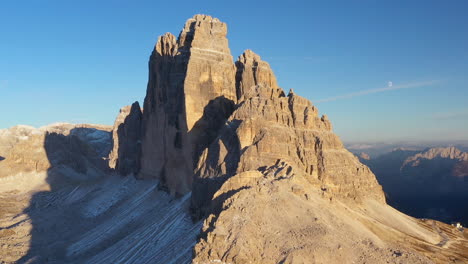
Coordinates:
(126, 140)
(191, 91)
(268, 126)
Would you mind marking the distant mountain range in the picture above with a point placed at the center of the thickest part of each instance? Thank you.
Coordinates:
(376, 149)
(430, 183)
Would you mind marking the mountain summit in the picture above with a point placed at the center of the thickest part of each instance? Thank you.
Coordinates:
(230, 169)
(267, 174)
(207, 116)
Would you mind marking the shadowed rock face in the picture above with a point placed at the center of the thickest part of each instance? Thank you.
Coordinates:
(126, 139)
(59, 203)
(185, 75)
(81, 148)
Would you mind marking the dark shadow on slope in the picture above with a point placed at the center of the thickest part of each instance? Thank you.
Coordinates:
(73, 160)
(1, 158)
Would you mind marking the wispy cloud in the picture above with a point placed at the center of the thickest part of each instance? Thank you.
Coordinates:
(457, 114)
(392, 87)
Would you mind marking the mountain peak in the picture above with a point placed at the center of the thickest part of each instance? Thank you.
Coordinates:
(252, 71)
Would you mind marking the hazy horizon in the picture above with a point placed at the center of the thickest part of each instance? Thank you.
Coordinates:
(381, 71)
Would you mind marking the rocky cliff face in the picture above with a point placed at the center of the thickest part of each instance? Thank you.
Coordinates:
(269, 126)
(126, 140)
(191, 91)
(194, 88)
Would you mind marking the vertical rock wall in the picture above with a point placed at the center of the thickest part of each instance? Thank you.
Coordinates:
(191, 91)
(126, 140)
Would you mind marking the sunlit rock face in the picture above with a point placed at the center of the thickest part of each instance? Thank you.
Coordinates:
(191, 91)
(268, 126)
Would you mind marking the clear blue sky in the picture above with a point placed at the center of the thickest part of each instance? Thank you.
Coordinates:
(80, 61)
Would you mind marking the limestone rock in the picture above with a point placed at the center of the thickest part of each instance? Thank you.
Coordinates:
(252, 71)
(126, 140)
(191, 90)
(268, 126)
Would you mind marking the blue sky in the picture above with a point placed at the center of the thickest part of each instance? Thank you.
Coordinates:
(80, 61)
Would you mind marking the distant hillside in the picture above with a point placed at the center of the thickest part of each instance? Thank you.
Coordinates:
(426, 184)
